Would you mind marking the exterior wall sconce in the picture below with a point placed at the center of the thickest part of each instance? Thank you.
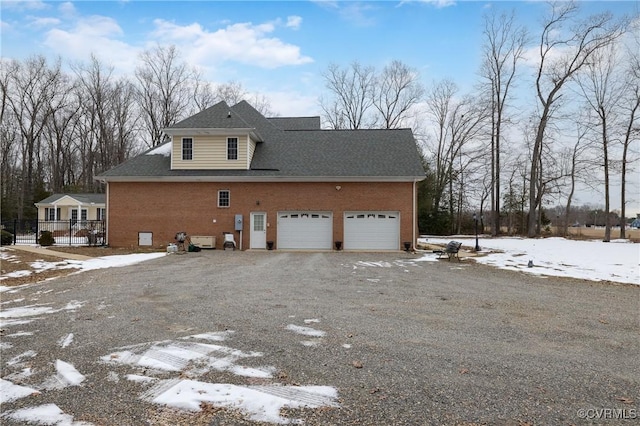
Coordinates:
(257, 202)
(338, 187)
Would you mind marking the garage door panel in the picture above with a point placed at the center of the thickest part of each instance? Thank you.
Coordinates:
(372, 231)
(305, 230)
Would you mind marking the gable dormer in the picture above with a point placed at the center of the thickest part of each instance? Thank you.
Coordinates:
(214, 139)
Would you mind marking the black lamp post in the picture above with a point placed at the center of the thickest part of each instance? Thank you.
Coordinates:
(475, 219)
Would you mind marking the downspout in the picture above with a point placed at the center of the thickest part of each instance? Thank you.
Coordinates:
(106, 215)
(415, 217)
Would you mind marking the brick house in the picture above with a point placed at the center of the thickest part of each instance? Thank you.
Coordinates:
(271, 182)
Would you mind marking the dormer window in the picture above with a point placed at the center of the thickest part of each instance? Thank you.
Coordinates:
(232, 148)
(187, 148)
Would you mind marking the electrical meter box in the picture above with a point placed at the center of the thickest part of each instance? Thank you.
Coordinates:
(238, 222)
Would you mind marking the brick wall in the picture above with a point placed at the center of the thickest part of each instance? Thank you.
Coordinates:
(170, 207)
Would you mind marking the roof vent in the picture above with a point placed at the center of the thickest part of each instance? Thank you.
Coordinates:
(229, 114)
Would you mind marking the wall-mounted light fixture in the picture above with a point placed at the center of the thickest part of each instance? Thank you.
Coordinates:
(257, 202)
(338, 187)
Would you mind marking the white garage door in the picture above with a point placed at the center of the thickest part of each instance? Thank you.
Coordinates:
(372, 231)
(305, 230)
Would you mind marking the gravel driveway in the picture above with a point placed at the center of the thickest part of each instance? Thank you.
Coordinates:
(399, 341)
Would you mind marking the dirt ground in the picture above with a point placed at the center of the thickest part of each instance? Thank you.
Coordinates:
(18, 260)
(22, 261)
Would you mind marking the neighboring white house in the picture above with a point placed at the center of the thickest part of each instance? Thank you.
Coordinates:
(75, 207)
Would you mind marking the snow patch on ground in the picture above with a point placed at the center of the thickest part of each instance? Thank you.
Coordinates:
(66, 375)
(47, 414)
(306, 331)
(66, 340)
(259, 403)
(189, 359)
(11, 392)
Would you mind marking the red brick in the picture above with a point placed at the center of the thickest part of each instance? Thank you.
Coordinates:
(165, 208)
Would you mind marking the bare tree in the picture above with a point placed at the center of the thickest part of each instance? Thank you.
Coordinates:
(630, 111)
(576, 166)
(107, 129)
(352, 95)
(231, 92)
(203, 94)
(439, 105)
(456, 123)
(398, 90)
(58, 138)
(164, 92)
(602, 91)
(504, 43)
(561, 56)
(34, 88)
(9, 143)
(234, 92)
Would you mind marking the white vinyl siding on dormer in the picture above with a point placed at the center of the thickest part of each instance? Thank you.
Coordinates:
(210, 153)
(251, 147)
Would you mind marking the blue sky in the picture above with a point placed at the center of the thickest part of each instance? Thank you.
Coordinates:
(275, 48)
(279, 49)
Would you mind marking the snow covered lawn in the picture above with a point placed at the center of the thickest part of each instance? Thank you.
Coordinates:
(617, 261)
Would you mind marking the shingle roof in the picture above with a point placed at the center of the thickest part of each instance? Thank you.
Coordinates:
(219, 116)
(83, 198)
(291, 154)
(296, 123)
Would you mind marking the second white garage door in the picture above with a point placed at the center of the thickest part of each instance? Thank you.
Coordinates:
(305, 230)
(372, 231)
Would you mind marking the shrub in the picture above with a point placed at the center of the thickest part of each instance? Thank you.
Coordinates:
(46, 238)
(6, 239)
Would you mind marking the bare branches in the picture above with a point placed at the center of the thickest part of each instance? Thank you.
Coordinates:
(398, 90)
(360, 98)
(503, 49)
(163, 91)
(352, 90)
(562, 55)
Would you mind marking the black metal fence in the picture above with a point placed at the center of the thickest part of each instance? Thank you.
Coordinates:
(65, 232)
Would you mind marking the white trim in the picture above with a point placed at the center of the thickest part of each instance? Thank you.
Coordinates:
(228, 198)
(237, 148)
(257, 179)
(214, 132)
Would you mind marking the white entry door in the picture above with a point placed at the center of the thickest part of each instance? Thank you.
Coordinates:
(258, 236)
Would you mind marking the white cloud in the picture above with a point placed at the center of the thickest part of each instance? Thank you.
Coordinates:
(242, 42)
(439, 4)
(292, 103)
(294, 22)
(357, 13)
(21, 5)
(67, 9)
(353, 12)
(43, 22)
(95, 34)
